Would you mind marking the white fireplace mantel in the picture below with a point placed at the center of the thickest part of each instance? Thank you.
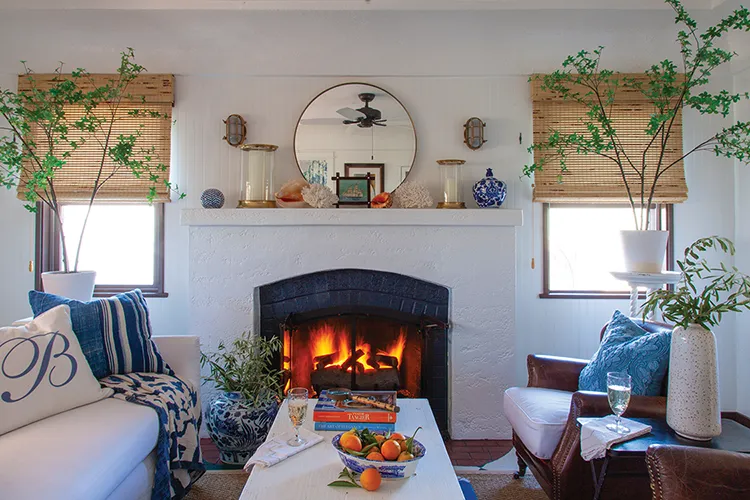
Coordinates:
(350, 217)
(232, 252)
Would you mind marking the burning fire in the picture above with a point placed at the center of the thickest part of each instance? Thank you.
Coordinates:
(332, 347)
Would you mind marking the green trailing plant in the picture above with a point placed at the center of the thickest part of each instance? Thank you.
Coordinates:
(47, 111)
(246, 368)
(668, 87)
(705, 292)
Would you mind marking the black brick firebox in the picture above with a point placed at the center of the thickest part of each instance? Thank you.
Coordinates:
(366, 290)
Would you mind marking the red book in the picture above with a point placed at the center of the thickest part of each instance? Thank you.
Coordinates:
(327, 410)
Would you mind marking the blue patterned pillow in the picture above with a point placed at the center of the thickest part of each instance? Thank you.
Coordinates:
(114, 333)
(626, 347)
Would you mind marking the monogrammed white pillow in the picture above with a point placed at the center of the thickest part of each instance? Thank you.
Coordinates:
(43, 371)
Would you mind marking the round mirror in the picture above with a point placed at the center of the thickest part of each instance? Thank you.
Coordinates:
(355, 129)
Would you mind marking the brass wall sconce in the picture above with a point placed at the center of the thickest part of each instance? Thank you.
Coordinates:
(236, 130)
(474, 133)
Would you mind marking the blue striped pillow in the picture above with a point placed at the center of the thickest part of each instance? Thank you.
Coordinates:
(117, 328)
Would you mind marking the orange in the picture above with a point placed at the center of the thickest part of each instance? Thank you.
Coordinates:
(402, 444)
(379, 438)
(390, 450)
(350, 442)
(374, 455)
(405, 455)
(370, 479)
(397, 436)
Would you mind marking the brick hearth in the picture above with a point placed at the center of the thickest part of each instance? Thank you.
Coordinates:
(463, 452)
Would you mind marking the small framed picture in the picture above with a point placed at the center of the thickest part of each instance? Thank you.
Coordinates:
(362, 169)
(353, 190)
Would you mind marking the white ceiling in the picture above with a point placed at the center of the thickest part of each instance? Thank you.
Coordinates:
(416, 5)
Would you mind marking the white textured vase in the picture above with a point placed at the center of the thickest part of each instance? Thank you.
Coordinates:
(644, 251)
(693, 391)
(78, 286)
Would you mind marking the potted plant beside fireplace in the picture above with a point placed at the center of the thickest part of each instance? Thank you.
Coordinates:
(603, 101)
(239, 417)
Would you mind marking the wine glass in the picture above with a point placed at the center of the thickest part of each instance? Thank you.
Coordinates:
(297, 403)
(618, 394)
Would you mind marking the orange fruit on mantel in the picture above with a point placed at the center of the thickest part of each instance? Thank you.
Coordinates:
(351, 442)
(370, 479)
(390, 450)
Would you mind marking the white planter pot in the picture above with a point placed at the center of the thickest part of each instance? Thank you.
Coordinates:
(78, 286)
(644, 251)
(693, 391)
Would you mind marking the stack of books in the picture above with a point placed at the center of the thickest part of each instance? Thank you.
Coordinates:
(330, 415)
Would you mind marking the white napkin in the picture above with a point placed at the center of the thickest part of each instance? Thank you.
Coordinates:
(596, 439)
(276, 449)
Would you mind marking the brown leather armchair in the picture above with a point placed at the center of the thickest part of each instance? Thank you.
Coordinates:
(566, 476)
(688, 473)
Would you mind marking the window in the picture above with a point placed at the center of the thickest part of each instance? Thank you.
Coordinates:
(582, 246)
(124, 244)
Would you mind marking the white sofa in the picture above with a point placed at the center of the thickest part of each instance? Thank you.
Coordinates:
(104, 450)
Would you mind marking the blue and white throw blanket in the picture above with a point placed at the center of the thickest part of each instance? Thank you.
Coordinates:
(179, 462)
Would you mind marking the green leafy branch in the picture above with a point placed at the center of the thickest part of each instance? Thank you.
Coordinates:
(47, 126)
(705, 292)
(245, 368)
(347, 479)
(666, 89)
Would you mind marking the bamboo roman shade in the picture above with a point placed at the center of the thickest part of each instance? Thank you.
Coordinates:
(592, 178)
(76, 179)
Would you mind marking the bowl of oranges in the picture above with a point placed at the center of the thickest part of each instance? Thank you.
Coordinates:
(393, 455)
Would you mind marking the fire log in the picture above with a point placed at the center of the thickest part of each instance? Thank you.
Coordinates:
(330, 377)
(351, 361)
(385, 379)
(391, 361)
(324, 360)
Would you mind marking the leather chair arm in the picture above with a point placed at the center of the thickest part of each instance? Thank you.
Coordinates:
(688, 473)
(596, 404)
(553, 372)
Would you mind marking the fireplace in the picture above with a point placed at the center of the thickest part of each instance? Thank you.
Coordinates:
(364, 330)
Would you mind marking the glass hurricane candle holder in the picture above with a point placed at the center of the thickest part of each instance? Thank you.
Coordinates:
(450, 177)
(256, 176)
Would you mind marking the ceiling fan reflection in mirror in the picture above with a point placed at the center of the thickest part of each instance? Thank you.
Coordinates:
(364, 117)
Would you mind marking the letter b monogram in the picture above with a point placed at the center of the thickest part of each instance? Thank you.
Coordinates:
(29, 358)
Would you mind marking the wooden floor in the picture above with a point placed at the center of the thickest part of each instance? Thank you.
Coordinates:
(462, 452)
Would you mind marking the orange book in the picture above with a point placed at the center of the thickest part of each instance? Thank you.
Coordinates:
(327, 410)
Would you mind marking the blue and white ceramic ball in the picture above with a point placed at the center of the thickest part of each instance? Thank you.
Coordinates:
(489, 192)
(212, 198)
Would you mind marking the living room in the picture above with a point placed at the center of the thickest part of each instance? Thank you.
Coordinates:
(442, 62)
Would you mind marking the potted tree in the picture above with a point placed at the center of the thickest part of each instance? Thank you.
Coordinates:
(668, 87)
(74, 113)
(704, 294)
(239, 418)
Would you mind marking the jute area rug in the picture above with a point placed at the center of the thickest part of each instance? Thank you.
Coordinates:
(227, 485)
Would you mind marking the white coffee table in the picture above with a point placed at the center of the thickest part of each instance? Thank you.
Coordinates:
(306, 475)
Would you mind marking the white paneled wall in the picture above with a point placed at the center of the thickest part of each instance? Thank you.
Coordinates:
(444, 67)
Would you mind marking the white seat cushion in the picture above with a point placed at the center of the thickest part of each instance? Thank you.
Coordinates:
(81, 453)
(538, 417)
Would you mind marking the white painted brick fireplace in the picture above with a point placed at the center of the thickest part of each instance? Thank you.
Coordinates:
(472, 252)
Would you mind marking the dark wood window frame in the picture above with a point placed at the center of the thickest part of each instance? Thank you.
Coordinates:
(47, 254)
(599, 294)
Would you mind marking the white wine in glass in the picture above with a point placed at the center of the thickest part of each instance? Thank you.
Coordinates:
(297, 403)
(618, 394)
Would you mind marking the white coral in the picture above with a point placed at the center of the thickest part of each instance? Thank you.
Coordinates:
(319, 196)
(412, 195)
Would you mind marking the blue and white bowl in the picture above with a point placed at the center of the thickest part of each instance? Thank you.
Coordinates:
(387, 469)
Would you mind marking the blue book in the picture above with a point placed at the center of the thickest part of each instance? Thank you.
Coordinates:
(345, 426)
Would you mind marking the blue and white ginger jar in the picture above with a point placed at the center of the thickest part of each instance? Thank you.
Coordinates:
(237, 427)
(489, 192)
